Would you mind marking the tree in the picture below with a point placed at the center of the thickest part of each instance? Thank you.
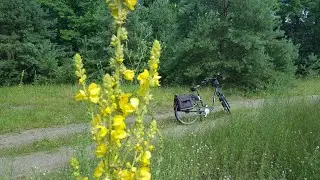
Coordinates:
(300, 21)
(24, 42)
(239, 39)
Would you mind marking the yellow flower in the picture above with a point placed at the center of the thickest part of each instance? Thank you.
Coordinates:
(81, 96)
(94, 92)
(123, 99)
(128, 75)
(155, 80)
(155, 66)
(145, 158)
(144, 173)
(99, 170)
(125, 175)
(101, 150)
(107, 111)
(118, 134)
(102, 132)
(74, 163)
(118, 123)
(96, 121)
(130, 4)
(124, 105)
(142, 77)
(134, 102)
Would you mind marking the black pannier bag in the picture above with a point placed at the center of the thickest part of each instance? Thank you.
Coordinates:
(184, 102)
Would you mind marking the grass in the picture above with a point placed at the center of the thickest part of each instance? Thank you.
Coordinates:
(30, 107)
(280, 141)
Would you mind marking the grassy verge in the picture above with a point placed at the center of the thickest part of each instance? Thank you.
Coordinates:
(280, 141)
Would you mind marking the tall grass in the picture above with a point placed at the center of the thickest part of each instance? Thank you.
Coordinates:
(280, 141)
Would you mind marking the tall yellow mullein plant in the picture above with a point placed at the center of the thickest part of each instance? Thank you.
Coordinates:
(122, 153)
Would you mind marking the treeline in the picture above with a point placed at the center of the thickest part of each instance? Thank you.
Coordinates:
(252, 44)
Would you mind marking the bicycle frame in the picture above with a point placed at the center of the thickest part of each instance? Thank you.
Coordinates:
(215, 83)
(200, 109)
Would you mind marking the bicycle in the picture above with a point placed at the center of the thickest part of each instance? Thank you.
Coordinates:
(190, 108)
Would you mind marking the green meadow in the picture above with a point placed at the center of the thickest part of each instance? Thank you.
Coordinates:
(280, 140)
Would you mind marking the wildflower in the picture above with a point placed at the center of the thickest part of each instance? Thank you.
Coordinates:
(124, 104)
(96, 121)
(125, 175)
(145, 158)
(107, 111)
(94, 92)
(99, 170)
(118, 134)
(134, 102)
(74, 163)
(128, 75)
(142, 77)
(81, 96)
(101, 150)
(155, 80)
(130, 4)
(144, 173)
(118, 122)
(102, 132)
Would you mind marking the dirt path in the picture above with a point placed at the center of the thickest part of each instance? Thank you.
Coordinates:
(42, 162)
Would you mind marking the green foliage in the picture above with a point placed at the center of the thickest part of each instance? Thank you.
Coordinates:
(239, 39)
(25, 43)
(245, 41)
(301, 24)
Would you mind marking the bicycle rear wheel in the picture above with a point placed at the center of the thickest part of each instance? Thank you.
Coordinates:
(188, 116)
(225, 104)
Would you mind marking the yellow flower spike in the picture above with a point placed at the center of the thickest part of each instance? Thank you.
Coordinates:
(101, 150)
(130, 4)
(99, 170)
(134, 102)
(81, 96)
(94, 92)
(142, 77)
(144, 173)
(128, 75)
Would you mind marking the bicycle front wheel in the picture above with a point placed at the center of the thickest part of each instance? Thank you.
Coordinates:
(188, 116)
